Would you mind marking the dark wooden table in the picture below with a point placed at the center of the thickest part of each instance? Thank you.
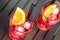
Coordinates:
(7, 7)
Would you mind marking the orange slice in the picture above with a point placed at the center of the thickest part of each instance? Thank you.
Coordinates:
(48, 10)
(18, 17)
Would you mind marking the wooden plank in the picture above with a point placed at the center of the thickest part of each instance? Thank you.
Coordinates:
(4, 28)
(5, 12)
(57, 36)
(23, 3)
(39, 35)
(6, 35)
(3, 3)
(29, 4)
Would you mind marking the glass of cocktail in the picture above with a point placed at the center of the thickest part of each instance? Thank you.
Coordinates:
(49, 16)
(18, 26)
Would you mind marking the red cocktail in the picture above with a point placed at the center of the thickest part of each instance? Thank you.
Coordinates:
(19, 27)
(48, 17)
